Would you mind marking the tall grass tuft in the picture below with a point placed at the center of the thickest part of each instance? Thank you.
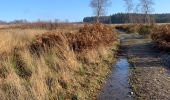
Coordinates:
(55, 65)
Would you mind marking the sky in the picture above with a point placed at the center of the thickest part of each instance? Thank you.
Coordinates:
(72, 10)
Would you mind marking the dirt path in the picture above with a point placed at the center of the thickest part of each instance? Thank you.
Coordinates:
(149, 77)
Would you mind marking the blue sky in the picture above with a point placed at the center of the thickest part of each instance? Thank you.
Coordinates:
(73, 10)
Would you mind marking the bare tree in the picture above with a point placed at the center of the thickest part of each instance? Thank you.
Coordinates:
(129, 9)
(138, 17)
(99, 7)
(147, 9)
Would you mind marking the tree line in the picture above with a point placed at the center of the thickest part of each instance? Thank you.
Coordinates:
(135, 12)
(121, 18)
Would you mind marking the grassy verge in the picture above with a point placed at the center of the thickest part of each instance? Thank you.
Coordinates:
(55, 65)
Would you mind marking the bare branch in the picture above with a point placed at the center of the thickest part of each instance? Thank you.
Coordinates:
(129, 9)
(99, 7)
(147, 9)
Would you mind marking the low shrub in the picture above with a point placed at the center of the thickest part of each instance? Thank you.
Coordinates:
(128, 28)
(121, 27)
(141, 29)
(91, 36)
(162, 37)
(88, 37)
(46, 41)
(145, 29)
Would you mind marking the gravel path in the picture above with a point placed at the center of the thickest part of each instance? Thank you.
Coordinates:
(150, 78)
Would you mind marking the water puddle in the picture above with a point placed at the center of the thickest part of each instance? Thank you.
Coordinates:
(117, 85)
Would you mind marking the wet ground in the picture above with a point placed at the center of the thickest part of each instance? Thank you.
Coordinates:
(147, 76)
(150, 79)
(117, 86)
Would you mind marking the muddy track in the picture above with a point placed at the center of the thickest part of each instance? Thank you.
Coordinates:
(150, 79)
(117, 85)
(141, 72)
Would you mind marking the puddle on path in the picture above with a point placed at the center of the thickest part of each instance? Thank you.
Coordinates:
(117, 85)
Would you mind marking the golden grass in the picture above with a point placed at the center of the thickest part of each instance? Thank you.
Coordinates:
(13, 38)
(56, 73)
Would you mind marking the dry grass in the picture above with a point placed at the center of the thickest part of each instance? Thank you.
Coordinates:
(40, 65)
(13, 38)
(45, 26)
(162, 36)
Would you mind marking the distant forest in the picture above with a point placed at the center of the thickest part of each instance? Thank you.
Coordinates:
(121, 18)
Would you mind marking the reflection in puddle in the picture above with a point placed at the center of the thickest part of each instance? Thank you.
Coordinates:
(117, 85)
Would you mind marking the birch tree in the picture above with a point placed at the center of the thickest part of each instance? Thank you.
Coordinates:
(147, 9)
(129, 9)
(99, 7)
